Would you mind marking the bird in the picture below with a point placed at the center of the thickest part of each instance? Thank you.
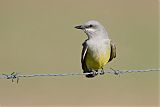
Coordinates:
(97, 49)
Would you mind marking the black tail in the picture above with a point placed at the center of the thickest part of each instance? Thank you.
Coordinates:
(91, 75)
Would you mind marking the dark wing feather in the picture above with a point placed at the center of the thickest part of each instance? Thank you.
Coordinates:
(83, 55)
(113, 51)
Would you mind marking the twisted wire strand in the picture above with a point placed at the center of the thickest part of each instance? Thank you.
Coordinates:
(15, 75)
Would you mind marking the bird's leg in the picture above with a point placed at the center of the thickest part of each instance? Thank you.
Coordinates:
(102, 72)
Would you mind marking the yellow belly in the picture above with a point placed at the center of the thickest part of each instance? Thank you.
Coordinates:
(97, 61)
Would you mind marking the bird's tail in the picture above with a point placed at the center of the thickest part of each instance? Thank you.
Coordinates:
(91, 75)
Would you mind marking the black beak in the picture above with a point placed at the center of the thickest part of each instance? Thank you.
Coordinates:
(79, 27)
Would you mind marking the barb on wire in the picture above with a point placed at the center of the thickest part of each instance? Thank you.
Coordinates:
(11, 76)
(16, 76)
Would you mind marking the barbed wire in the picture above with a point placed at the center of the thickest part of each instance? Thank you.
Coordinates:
(17, 76)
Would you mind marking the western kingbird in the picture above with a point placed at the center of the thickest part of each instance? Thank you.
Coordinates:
(97, 50)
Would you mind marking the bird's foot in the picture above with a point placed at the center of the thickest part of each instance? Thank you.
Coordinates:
(102, 72)
(95, 73)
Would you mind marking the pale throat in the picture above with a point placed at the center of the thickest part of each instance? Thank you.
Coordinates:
(91, 33)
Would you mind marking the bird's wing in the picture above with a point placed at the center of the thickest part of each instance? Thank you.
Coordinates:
(83, 55)
(113, 51)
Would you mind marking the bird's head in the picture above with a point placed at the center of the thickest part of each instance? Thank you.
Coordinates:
(93, 29)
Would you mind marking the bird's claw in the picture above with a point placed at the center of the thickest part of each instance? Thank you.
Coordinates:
(102, 72)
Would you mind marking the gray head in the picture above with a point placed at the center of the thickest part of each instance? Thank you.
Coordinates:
(93, 29)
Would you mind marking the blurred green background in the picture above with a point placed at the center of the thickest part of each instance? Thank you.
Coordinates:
(38, 36)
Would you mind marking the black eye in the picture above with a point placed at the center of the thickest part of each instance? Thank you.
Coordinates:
(90, 25)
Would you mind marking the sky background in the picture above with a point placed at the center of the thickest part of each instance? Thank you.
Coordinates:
(38, 36)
